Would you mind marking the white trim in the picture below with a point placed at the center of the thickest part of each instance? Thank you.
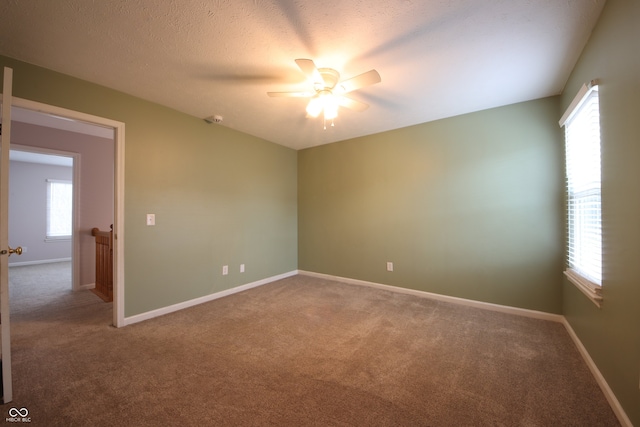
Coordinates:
(51, 239)
(585, 89)
(86, 287)
(75, 255)
(201, 300)
(606, 390)
(590, 289)
(455, 300)
(118, 227)
(118, 222)
(608, 393)
(42, 261)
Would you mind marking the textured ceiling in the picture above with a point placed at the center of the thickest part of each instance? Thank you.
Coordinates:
(436, 58)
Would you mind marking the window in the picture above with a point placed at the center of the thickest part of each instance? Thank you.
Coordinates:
(584, 223)
(59, 209)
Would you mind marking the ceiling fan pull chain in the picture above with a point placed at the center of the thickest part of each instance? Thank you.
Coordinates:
(324, 121)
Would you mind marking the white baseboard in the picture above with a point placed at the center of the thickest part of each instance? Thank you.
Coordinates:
(455, 300)
(42, 261)
(608, 393)
(186, 304)
(87, 287)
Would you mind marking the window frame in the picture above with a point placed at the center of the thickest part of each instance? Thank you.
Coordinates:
(586, 281)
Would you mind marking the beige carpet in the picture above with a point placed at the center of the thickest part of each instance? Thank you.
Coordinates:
(300, 351)
(43, 289)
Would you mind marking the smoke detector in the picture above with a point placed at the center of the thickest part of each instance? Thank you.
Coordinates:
(213, 119)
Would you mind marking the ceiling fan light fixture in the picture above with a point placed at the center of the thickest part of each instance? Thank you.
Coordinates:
(323, 101)
(330, 108)
(314, 108)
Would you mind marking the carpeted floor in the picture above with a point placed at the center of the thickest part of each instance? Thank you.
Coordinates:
(301, 351)
(44, 289)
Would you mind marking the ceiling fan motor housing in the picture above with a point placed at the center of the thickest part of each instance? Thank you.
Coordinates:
(330, 77)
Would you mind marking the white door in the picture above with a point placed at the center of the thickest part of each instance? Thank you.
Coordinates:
(5, 251)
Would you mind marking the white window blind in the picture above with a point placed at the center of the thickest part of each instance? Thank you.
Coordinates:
(584, 218)
(59, 209)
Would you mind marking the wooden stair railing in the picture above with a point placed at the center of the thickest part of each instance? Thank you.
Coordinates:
(104, 264)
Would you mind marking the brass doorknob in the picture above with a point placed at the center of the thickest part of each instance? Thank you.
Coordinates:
(17, 250)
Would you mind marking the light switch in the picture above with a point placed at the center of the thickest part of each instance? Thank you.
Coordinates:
(151, 219)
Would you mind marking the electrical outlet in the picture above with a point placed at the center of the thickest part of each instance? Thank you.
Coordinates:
(241, 268)
(389, 266)
(225, 270)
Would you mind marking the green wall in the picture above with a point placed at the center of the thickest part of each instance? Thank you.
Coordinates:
(612, 334)
(220, 197)
(469, 206)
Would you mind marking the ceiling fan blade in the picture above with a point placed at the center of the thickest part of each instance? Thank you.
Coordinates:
(291, 94)
(365, 79)
(352, 103)
(310, 70)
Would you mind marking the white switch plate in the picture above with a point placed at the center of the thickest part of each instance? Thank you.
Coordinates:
(389, 266)
(241, 268)
(151, 219)
(225, 270)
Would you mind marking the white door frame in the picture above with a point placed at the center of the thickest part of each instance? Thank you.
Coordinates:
(118, 221)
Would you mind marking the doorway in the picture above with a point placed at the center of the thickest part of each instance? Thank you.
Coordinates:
(43, 216)
(68, 118)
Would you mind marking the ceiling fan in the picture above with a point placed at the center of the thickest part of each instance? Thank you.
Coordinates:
(328, 91)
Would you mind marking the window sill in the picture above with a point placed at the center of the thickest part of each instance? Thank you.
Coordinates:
(590, 289)
(57, 239)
